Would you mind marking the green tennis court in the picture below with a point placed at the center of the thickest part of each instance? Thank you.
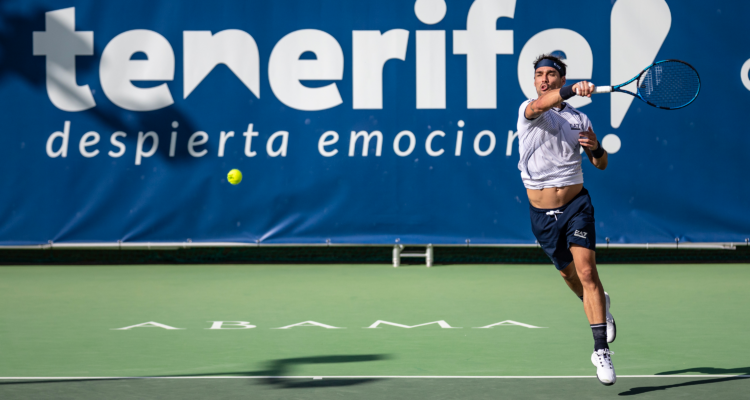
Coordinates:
(366, 331)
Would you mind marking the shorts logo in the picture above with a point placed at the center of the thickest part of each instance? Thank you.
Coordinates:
(580, 234)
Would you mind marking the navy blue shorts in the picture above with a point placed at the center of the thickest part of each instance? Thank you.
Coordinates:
(556, 229)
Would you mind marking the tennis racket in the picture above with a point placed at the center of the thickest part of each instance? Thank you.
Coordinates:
(668, 84)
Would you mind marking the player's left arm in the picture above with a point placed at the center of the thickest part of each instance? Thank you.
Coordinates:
(590, 144)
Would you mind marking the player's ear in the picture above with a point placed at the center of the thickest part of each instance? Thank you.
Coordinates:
(563, 81)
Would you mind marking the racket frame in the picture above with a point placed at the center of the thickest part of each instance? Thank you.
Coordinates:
(618, 88)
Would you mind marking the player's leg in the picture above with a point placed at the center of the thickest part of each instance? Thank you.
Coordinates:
(570, 275)
(594, 304)
(582, 276)
(581, 239)
(586, 275)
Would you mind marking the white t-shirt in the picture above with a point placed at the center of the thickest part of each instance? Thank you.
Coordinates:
(549, 148)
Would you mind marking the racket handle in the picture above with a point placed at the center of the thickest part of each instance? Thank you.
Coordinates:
(602, 89)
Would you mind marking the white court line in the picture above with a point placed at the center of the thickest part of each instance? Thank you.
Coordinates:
(63, 378)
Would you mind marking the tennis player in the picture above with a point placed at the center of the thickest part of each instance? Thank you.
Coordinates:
(551, 134)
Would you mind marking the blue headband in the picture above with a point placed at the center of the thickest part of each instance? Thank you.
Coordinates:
(549, 63)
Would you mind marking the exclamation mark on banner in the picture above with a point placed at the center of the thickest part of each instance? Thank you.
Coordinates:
(639, 28)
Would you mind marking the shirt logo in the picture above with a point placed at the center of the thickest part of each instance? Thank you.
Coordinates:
(576, 127)
(580, 234)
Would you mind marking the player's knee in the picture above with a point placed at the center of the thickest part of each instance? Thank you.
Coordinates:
(587, 276)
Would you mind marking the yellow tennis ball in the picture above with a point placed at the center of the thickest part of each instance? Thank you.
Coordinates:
(234, 176)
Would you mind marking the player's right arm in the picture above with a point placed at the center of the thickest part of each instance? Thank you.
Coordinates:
(552, 98)
(541, 105)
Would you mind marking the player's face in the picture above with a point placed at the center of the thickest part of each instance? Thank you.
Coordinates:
(546, 79)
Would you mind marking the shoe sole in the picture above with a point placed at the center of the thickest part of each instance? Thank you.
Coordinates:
(614, 325)
(606, 384)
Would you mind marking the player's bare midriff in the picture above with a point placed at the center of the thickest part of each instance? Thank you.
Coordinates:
(555, 197)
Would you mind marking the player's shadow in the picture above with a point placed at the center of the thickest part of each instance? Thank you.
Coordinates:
(276, 374)
(742, 373)
(278, 368)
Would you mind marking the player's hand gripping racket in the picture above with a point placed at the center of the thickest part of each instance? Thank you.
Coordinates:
(668, 84)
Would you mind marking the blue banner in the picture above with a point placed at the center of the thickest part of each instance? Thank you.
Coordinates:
(363, 122)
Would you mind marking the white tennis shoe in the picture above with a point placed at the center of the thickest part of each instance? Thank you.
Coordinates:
(611, 327)
(605, 371)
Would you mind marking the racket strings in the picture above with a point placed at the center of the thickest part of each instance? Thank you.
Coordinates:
(670, 84)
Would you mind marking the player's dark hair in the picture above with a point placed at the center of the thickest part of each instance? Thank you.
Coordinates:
(558, 60)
